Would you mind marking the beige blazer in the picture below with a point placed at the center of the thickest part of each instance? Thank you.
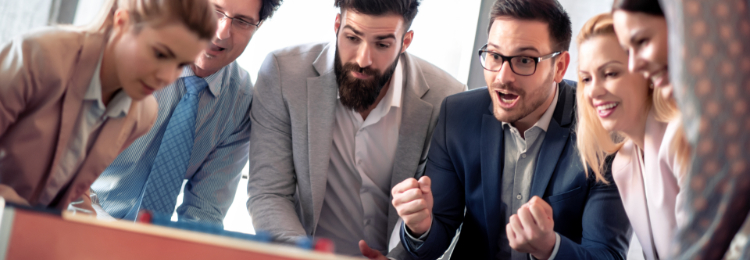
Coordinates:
(43, 78)
(649, 183)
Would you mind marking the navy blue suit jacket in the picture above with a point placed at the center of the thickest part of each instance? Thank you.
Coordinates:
(465, 163)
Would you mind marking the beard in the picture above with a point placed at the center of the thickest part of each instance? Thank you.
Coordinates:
(360, 94)
(536, 99)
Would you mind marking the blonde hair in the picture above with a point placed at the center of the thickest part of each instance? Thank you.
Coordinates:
(594, 142)
(197, 15)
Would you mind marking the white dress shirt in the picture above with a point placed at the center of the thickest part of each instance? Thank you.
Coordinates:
(91, 117)
(358, 186)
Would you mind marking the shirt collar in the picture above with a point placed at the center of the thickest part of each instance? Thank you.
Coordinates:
(215, 81)
(543, 122)
(120, 103)
(397, 84)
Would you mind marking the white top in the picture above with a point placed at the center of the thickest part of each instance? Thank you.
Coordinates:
(358, 186)
(92, 116)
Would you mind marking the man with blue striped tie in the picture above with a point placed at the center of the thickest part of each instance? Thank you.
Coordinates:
(201, 134)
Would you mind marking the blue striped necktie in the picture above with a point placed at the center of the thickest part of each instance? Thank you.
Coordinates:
(168, 171)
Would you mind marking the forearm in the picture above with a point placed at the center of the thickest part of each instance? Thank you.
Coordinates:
(276, 214)
(591, 251)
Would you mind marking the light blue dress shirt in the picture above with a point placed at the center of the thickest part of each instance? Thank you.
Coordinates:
(219, 153)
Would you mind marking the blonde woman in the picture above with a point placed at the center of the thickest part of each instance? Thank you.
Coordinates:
(71, 99)
(615, 102)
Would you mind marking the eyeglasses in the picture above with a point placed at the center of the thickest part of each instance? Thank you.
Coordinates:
(521, 65)
(237, 22)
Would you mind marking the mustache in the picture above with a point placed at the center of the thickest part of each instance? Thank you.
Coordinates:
(508, 87)
(354, 67)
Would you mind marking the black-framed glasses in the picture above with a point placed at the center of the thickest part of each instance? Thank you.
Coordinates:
(521, 65)
(237, 22)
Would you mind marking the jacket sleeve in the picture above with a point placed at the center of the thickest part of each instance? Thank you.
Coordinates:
(272, 179)
(16, 81)
(605, 230)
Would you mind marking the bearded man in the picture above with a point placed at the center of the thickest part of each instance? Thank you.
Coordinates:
(336, 126)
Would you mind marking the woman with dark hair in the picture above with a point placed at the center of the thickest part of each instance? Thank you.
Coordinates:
(709, 68)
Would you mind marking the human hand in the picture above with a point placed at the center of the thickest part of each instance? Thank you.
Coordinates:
(531, 230)
(413, 202)
(369, 252)
(10, 195)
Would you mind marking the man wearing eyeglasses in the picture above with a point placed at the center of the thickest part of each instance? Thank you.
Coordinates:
(506, 165)
(201, 134)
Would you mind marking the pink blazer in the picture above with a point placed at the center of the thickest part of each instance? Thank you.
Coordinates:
(43, 78)
(650, 187)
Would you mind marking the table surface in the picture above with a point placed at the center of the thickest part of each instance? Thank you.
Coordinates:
(33, 235)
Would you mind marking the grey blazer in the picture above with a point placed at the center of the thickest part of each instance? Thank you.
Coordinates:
(292, 117)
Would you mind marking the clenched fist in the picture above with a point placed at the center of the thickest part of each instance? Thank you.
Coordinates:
(532, 229)
(413, 202)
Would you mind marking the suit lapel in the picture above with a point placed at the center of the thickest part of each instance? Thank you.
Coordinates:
(549, 154)
(416, 116)
(492, 161)
(91, 48)
(555, 140)
(321, 105)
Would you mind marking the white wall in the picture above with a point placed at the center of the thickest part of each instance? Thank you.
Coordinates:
(581, 11)
(443, 32)
(18, 17)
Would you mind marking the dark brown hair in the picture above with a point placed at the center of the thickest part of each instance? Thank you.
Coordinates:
(651, 7)
(268, 8)
(548, 11)
(406, 8)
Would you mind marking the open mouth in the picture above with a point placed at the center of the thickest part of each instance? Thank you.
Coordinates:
(507, 98)
(217, 48)
(604, 110)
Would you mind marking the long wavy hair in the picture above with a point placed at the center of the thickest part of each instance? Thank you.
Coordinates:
(594, 142)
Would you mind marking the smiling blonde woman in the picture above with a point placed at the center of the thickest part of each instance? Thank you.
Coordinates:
(620, 113)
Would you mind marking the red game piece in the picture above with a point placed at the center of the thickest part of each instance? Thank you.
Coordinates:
(324, 245)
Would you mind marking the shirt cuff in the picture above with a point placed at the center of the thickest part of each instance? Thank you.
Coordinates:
(554, 250)
(415, 243)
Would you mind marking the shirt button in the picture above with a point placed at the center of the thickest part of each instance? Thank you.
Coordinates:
(518, 196)
(523, 156)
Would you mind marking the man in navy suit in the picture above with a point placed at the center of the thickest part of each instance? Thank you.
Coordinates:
(506, 165)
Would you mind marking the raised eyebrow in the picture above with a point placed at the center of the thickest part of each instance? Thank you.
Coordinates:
(353, 30)
(170, 54)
